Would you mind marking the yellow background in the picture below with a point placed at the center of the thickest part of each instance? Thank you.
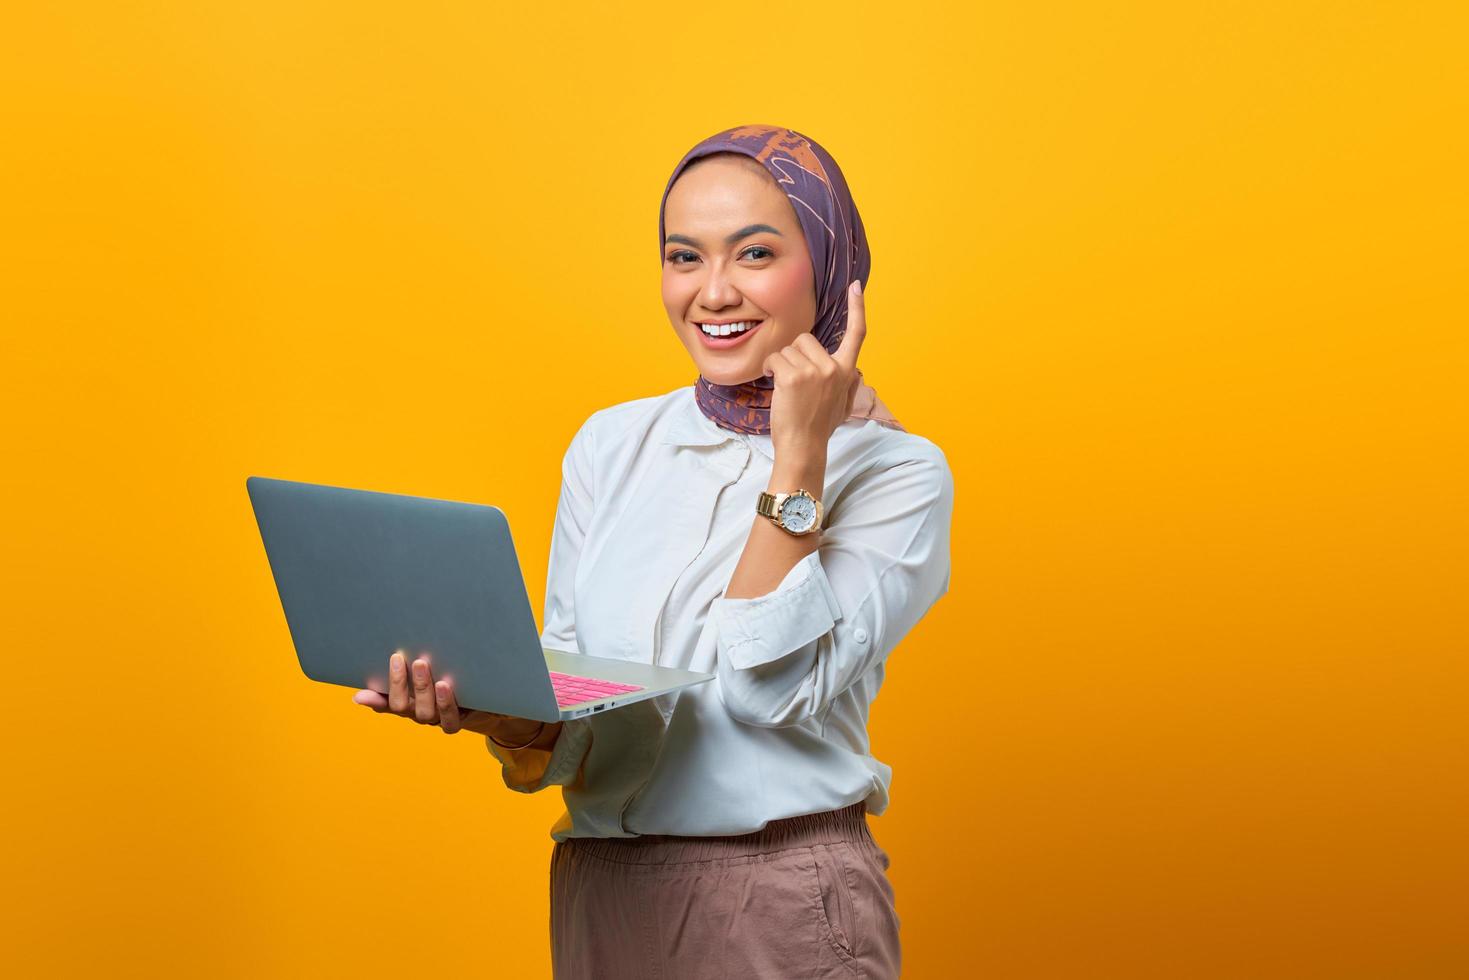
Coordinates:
(1179, 289)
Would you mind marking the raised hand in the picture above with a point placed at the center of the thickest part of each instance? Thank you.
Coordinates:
(814, 390)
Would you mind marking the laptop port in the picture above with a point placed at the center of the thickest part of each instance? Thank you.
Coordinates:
(599, 707)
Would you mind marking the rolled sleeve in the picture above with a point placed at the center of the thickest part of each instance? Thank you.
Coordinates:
(758, 630)
(532, 770)
(883, 562)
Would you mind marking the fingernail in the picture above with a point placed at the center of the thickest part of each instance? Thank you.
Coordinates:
(397, 662)
(441, 690)
(420, 670)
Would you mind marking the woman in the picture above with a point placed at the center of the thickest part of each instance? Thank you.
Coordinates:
(720, 831)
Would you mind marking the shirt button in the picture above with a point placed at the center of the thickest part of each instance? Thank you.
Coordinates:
(860, 635)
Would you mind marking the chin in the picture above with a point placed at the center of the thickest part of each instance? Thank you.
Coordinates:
(727, 377)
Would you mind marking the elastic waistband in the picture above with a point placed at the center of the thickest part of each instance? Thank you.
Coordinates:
(847, 824)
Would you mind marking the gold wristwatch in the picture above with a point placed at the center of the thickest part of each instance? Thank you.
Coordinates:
(797, 512)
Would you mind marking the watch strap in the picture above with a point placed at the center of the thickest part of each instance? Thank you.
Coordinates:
(768, 504)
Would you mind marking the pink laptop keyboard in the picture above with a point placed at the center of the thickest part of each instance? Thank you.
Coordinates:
(571, 689)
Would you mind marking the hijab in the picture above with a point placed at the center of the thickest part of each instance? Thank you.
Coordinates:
(836, 240)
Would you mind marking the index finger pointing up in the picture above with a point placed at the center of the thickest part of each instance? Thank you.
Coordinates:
(846, 352)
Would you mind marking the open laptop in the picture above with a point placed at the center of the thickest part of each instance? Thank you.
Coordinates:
(361, 574)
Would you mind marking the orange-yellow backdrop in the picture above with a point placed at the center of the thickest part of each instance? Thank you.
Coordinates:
(1178, 288)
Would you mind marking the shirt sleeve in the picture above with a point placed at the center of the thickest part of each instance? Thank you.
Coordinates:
(883, 562)
(532, 770)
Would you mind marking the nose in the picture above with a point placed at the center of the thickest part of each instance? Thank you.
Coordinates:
(717, 291)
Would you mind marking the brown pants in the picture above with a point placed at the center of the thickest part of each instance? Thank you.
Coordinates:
(805, 897)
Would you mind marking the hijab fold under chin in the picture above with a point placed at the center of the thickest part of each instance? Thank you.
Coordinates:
(836, 240)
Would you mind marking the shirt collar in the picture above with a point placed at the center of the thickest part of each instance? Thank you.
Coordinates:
(691, 427)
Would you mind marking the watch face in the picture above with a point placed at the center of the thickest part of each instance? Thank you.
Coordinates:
(798, 513)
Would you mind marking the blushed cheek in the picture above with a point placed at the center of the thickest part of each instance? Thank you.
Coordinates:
(676, 300)
(785, 292)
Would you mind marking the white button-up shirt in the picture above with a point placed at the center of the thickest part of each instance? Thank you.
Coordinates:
(655, 509)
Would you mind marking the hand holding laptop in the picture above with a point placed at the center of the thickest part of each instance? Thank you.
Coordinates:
(430, 703)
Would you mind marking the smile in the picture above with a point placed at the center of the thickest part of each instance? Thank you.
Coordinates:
(732, 339)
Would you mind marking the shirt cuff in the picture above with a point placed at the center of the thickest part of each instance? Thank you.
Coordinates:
(800, 609)
(519, 769)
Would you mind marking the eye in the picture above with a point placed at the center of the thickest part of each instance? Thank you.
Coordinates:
(676, 257)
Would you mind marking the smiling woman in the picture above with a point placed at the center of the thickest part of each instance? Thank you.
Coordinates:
(773, 525)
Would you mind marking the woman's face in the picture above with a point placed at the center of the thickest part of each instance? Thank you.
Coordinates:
(733, 251)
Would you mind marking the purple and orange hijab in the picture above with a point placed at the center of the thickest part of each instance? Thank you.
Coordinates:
(837, 242)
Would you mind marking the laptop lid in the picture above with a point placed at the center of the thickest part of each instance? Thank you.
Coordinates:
(362, 573)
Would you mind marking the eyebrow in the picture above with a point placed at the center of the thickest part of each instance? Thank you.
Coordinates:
(745, 232)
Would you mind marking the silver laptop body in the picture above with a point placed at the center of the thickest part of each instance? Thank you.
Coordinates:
(362, 573)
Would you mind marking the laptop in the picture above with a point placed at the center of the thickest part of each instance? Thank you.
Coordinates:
(361, 574)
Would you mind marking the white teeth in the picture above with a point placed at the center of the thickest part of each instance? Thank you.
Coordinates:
(725, 329)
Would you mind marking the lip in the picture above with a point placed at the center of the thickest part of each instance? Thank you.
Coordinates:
(724, 343)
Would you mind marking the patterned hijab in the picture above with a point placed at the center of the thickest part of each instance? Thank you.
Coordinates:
(838, 246)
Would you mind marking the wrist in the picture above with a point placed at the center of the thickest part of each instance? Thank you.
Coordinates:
(799, 447)
(515, 744)
(794, 469)
(514, 732)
